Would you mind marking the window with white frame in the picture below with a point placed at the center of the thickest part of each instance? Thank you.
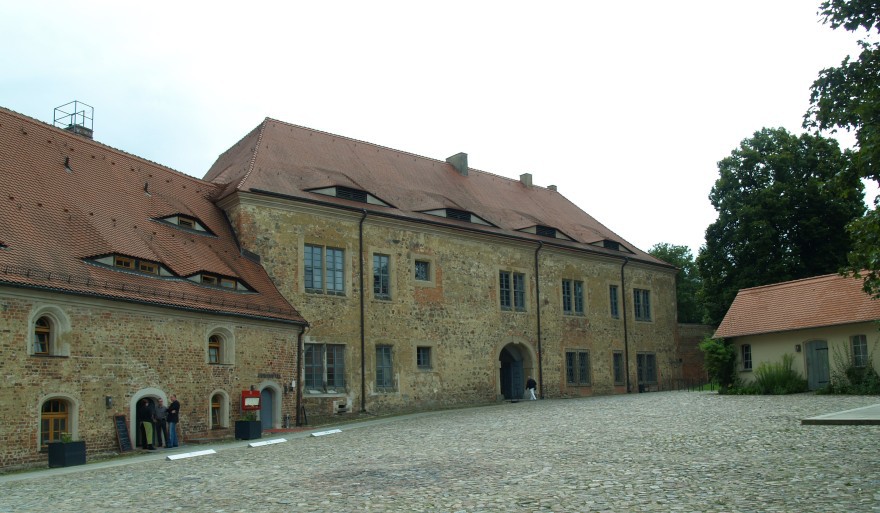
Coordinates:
(746, 355)
(859, 350)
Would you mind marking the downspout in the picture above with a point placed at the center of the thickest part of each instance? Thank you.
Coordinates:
(298, 377)
(363, 342)
(538, 312)
(625, 334)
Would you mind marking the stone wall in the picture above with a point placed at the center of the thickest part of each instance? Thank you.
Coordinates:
(456, 313)
(125, 352)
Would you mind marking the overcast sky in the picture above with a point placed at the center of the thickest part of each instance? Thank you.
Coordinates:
(625, 106)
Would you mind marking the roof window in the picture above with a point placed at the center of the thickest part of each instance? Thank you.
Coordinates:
(458, 215)
(136, 265)
(220, 282)
(350, 194)
(546, 231)
(186, 222)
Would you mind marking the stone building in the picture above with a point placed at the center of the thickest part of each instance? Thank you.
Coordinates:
(427, 283)
(121, 279)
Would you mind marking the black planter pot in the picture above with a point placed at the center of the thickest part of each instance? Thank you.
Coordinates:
(248, 429)
(67, 454)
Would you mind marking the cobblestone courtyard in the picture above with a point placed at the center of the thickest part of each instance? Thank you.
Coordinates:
(659, 452)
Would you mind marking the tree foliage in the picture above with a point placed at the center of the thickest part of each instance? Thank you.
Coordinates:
(687, 281)
(848, 97)
(782, 202)
(720, 361)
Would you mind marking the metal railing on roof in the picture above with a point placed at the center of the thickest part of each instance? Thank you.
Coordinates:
(161, 296)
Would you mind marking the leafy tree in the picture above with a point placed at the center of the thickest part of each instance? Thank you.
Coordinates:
(720, 361)
(848, 97)
(687, 282)
(782, 202)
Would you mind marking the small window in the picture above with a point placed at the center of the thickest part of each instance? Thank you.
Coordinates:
(423, 270)
(577, 368)
(384, 368)
(207, 279)
(642, 304)
(148, 267)
(746, 354)
(423, 357)
(545, 231)
(512, 293)
(572, 297)
(381, 277)
(186, 222)
(612, 299)
(324, 268)
(618, 368)
(216, 402)
(123, 262)
(42, 336)
(226, 283)
(215, 348)
(54, 421)
(859, 350)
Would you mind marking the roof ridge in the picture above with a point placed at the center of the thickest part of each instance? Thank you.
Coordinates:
(375, 145)
(254, 156)
(790, 283)
(99, 144)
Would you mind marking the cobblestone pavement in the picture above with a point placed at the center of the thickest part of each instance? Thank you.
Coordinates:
(658, 452)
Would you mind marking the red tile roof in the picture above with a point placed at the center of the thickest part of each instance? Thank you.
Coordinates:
(808, 303)
(65, 199)
(290, 160)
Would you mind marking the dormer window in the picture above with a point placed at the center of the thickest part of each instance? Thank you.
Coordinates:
(458, 215)
(223, 282)
(611, 244)
(546, 231)
(350, 194)
(132, 264)
(187, 223)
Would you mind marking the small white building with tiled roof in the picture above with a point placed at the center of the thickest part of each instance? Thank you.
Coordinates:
(823, 321)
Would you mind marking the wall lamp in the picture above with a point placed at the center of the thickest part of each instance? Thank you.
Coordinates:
(108, 401)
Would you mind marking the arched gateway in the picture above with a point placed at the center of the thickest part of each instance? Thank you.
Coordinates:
(515, 364)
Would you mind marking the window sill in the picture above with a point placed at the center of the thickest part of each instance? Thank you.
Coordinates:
(39, 355)
(319, 394)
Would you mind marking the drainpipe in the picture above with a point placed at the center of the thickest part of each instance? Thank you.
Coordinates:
(363, 342)
(299, 374)
(538, 312)
(625, 337)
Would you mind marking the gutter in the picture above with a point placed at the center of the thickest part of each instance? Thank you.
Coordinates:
(299, 374)
(625, 333)
(363, 342)
(538, 313)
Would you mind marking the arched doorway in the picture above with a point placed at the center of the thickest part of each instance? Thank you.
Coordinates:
(267, 408)
(515, 365)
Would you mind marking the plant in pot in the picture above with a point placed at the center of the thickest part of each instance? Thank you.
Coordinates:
(248, 427)
(67, 452)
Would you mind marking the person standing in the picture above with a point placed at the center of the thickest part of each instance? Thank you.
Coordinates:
(145, 414)
(531, 385)
(161, 425)
(173, 416)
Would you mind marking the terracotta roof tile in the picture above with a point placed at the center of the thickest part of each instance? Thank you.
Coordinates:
(808, 303)
(67, 199)
(291, 160)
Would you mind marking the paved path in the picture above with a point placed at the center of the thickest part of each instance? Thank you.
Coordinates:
(658, 452)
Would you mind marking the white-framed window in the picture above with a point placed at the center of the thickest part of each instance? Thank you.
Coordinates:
(746, 355)
(859, 350)
(47, 325)
(220, 347)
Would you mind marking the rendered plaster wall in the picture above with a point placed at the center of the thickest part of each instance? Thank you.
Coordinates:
(127, 351)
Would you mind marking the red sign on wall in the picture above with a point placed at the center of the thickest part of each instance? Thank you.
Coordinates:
(250, 400)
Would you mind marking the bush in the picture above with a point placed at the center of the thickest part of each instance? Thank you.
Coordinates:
(847, 378)
(720, 358)
(779, 378)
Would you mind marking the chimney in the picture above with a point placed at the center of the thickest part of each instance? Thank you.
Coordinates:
(526, 179)
(551, 187)
(459, 162)
(76, 117)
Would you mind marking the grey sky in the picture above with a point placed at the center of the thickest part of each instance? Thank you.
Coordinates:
(626, 106)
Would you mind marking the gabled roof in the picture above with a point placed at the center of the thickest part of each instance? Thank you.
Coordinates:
(808, 303)
(66, 200)
(289, 160)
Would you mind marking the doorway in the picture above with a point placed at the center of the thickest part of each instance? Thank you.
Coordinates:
(267, 404)
(514, 363)
(818, 371)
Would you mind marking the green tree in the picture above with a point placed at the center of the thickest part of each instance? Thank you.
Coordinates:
(782, 202)
(720, 361)
(848, 97)
(687, 281)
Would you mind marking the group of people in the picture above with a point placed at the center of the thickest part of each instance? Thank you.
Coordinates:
(159, 422)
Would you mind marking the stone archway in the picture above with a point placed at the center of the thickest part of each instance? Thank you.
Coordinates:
(515, 365)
